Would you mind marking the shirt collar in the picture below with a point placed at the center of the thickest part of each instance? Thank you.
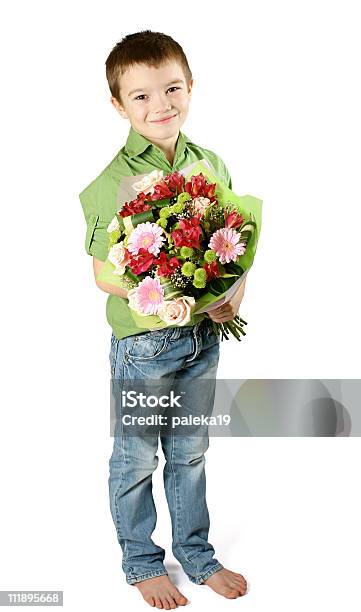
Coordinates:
(136, 144)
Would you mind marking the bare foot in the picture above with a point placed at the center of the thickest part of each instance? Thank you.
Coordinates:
(160, 592)
(227, 583)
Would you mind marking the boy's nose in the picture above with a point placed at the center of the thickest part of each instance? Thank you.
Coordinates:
(161, 105)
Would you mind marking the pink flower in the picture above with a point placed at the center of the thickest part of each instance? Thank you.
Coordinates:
(225, 242)
(177, 311)
(147, 297)
(146, 236)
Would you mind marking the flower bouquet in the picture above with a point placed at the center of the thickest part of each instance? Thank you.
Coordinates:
(182, 247)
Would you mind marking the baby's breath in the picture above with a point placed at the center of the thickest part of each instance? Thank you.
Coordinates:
(178, 279)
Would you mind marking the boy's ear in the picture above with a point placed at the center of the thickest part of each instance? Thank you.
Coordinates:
(190, 86)
(118, 107)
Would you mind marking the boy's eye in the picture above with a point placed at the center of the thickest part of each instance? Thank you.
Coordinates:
(142, 96)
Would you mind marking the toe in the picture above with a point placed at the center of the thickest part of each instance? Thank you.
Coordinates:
(233, 594)
(180, 599)
(238, 579)
(165, 603)
(171, 602)
(241, 588)
(158, 602)
(150, 600)
(238, 575)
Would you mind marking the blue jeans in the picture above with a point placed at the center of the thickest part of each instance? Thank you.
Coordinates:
(184, 353)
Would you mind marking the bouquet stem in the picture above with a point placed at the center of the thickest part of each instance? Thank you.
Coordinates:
(234, 327)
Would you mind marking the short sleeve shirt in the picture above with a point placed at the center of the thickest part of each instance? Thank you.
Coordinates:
(99, 204)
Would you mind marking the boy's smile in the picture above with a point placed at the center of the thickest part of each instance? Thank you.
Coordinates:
(156, 102)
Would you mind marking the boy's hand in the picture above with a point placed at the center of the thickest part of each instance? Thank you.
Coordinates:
(229, 309)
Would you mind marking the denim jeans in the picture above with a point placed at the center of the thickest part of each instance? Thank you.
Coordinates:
(185, 353)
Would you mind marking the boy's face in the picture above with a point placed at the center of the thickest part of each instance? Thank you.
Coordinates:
(159, 106)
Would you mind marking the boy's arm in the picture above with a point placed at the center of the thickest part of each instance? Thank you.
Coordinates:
(97, 266)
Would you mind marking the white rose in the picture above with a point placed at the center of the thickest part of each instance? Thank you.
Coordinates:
(177, 311)
(113, 225)
(146, 183)
(119, 257)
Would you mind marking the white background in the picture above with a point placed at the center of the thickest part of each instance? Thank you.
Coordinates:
(277, 96)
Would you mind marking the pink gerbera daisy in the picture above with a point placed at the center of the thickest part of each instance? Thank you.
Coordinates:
(225, 242)
(149, 295)
(146, 236)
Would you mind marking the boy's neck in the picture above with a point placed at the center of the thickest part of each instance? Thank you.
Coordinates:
(167, 146)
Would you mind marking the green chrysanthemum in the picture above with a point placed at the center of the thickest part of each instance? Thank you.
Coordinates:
(177, 208)
(200, 274)
(199, 284)
(165, 212)
(186, 251)
(200, 278)
(183, 197)
(162, 222)
(210, 256)
(188, 268)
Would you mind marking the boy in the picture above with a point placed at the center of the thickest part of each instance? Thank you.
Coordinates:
(150, 82)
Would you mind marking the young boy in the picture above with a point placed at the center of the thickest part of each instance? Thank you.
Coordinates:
(151, 82)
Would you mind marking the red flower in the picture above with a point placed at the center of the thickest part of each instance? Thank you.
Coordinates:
(176, 181)
(134, 207)
(212, 270)
(141, 262)
(198, 186)
(188, 233)
(161, 191)
(165, 266)
(233, 219)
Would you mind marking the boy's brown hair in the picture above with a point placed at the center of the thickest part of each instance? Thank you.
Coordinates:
(146, 47)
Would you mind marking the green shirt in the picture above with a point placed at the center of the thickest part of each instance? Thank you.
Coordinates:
(99, 203)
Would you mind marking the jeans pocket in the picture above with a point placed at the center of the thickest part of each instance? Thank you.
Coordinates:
(148, 345)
